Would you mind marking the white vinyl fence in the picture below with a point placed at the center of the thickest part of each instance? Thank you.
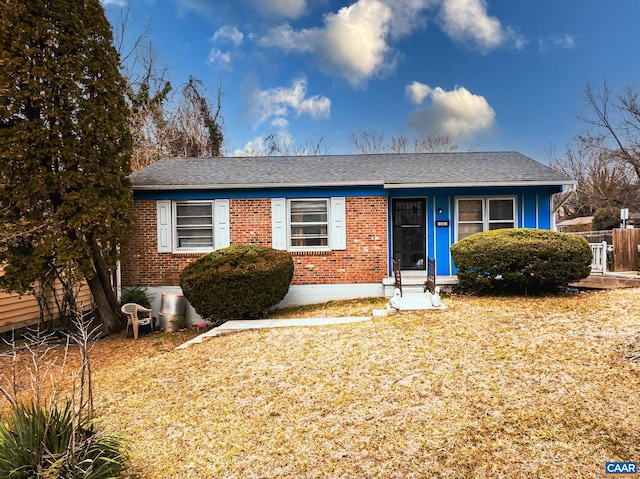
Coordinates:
(599, 261)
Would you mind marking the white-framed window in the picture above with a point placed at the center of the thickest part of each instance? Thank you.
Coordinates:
(193, 229)
(308, 223)
(474, 215)
(302, 224)
(192, 225)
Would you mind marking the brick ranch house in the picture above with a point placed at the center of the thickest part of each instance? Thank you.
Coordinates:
(342, 217)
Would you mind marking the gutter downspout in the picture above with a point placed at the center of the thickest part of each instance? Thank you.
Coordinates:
(574, 188)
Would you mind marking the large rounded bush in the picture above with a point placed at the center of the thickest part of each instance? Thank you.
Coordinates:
(520, 261)
(238, 282)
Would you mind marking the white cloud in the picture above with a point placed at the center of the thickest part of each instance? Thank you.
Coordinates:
(277, 103)
(280, 123)
(353, 43)
(219, 58)
(417, 92)
(228, 33)
(408, 15)
(457, 113)
(281, 8)
(255, 147)
(566, 42)
(205, 8)
(274, 144)
(468, 22)
(287, 39)
(355, 40)
(244, 9)
(117, 3)
(224, 35)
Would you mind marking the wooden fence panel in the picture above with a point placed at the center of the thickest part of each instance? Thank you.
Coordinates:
(625, 249)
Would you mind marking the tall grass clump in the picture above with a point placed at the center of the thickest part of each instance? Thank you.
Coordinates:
(45, 433)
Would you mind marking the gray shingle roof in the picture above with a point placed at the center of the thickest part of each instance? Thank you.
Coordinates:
(388, 170)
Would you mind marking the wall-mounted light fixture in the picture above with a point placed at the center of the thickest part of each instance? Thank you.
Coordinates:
(439, 210)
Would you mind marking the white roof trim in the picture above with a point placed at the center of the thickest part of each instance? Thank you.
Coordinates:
(245, 186)
(387, 186)
(391, 186)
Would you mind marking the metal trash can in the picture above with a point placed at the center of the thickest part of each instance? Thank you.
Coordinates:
(172, 310)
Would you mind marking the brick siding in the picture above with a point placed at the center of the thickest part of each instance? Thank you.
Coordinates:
(364, 260)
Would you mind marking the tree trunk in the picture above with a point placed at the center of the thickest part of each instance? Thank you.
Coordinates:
(106, 313)
(104, 296)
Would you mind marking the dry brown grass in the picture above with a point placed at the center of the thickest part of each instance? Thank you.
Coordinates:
(490, 388)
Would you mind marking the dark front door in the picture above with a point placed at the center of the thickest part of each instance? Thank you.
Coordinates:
(409, 232)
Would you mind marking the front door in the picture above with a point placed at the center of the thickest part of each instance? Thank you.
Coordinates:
(409, 232)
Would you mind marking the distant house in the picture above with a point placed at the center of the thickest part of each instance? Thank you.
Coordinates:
(582, 223)
(343, 218)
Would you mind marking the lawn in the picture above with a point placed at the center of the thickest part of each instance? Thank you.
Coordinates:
(490, 388)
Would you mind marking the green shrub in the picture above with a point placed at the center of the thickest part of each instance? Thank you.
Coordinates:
(520, 261)
(135, 294)
(238, 282)
(56, 443)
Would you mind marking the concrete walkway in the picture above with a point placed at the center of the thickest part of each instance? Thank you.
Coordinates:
(231, 326)
(410, 302)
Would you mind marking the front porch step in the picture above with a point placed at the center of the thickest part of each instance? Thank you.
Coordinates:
(414, 283)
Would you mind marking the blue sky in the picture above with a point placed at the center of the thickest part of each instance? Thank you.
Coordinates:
(500, 75)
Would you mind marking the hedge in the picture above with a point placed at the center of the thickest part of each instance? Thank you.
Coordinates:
(520, 261)
(238, 282)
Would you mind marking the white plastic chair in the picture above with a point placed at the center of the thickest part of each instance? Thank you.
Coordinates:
(134, 320)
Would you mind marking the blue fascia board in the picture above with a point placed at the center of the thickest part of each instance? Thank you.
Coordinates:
(315, 192)
(475, 191)
(311, 192)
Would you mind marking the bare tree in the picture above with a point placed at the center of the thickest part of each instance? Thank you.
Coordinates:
(127, 51)
(368, 142)
(165, 122)
(279, 145)
(398, 144)
(605, 159)
(603, 181)
(616, 124)
(196, 123)
(187, 123)
(147, 97)
(436, 144)
(373, 141)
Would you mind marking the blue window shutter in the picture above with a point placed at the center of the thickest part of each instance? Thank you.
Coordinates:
(279, 223)
(338, 224)
(163, 220)
(221, 236)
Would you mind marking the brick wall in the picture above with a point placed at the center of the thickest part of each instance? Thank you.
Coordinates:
(250, 221)
(364, 260)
